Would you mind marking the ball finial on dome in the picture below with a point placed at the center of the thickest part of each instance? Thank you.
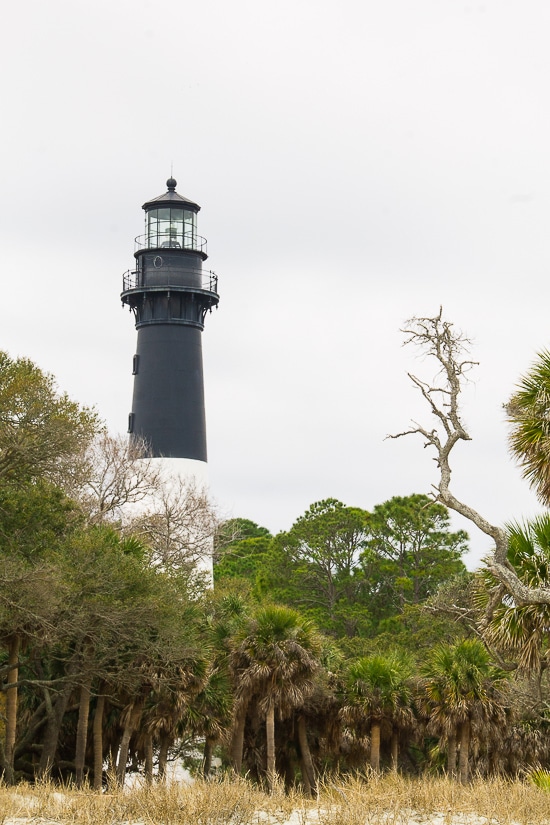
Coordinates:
(171, 183)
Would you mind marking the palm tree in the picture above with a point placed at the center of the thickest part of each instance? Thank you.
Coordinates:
(378, 692)
(461, 691)
(522, 631)
(274, 659)
(227, 612)
(529, 415)
(208, 714)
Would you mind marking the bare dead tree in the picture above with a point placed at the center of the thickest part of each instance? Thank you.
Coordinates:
(438, 340)
(111, 480)
(179, 525)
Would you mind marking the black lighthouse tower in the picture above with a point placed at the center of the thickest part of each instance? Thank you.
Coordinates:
(169, 294)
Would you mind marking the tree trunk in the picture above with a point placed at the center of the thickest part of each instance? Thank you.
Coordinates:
(11, 707)
(394, 748)
(53, 728)
(132, 721)
(237, 740)
(114, 748)
(57, 712)
(165, 740)
(98, 741)
(308, 770)
(207, 759)
(305, 781)
(375, 746)
(149, 758)
(451, 755)
(464, 752)
(493, 761)
(82, 730)
(270, 739)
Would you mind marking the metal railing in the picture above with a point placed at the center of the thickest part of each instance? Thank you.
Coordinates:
(132, 279)
(194, 242)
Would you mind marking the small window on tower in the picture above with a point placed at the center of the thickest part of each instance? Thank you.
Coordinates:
(131, 417)
(135, 365)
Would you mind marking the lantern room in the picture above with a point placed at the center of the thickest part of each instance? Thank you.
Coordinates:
(171, 228)
(171, 223)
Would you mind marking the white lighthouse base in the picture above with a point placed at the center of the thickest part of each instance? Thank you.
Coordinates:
(185, 514)
(184, 468)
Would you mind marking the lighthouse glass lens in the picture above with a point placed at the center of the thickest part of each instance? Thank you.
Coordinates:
(171, 227)
(152, 229)
(190, 229)
(163, 227)
(176, 227)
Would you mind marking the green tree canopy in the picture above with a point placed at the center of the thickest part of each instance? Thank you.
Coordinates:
(245, 559)
(312, 566)
(41, 430)
(409, 550)
(240, 552)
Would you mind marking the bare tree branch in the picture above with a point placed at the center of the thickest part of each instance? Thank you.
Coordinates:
(178, 525)
(438, 340)
(110, 478)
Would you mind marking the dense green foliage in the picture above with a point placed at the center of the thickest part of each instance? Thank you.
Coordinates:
(42, 432)
(357, 574)
(345, 641)
(409, 551)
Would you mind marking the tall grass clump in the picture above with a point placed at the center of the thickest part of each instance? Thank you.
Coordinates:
(540, 778)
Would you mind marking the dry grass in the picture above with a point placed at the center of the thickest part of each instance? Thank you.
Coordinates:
(386, 800)
(394, 800)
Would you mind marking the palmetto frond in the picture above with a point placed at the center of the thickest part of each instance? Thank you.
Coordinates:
(275, 656)
(522, 631)
(377, 687)
(460, 683)
(529, 416)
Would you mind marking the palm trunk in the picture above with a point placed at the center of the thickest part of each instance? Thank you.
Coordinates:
(237, 740)
(148, 767)
(305, 781)
(132, 722)
(98, 741)
(51, 734)
(394, 747)
(165, 740)
(308, 770)
(114, 748)
(270, 739)
(57, 712)
(11, 707)
(464, 752)
(451, 755)
(82, 730)
(207, 759)
(375, 746)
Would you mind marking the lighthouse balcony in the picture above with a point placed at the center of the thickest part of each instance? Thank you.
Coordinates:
(171, 240)
(195, 279)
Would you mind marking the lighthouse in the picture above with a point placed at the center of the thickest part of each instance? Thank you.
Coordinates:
(170, 295)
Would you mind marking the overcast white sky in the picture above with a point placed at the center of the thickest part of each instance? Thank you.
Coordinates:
(356, 162)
